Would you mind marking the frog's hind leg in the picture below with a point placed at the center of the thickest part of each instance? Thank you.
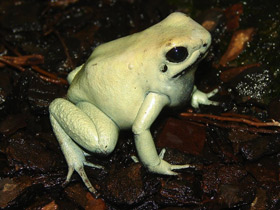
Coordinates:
(88, 127)
(73, 154)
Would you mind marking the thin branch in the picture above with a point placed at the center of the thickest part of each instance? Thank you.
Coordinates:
(25, 60)
(43, 72)
(235, 115)
(52, 80)
(66, 51)
(232, 119)
(3, 60)
(207, 119)
(17, 62)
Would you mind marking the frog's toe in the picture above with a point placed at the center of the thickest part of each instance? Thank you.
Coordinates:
(171, 173)
(93, 165)
(161, 155)
(69, 174)
(212, 93)
(215, 103)
(209, 102)
(83, 175)
(162, 152)
(175, 167)
(135, 159)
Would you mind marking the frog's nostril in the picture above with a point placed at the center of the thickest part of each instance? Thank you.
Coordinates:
(205, 45)
(165, 68)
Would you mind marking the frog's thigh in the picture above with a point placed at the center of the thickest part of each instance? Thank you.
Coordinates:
(106, 129)
(79, 126)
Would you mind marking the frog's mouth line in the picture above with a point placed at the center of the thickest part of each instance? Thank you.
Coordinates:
(183, 72)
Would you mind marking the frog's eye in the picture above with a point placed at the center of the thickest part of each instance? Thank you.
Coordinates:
(177, 54)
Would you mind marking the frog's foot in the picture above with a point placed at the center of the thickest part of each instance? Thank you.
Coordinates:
(83, 175)
(199, 97)
(166, 168)
(163, 167)
(76, 162)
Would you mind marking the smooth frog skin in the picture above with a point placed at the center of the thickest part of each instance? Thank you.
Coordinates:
(125, 84)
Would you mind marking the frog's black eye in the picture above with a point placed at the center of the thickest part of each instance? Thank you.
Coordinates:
(177, 54)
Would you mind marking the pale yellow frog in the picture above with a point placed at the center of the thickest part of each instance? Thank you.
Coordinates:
(125, 84)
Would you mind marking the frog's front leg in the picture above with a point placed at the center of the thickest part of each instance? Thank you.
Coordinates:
(88, 127)
(199, 97)
(150, 109)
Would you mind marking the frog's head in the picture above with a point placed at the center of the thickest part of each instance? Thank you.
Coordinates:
(179, 44)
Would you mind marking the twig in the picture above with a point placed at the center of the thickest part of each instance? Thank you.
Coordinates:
(232, 125)
(62, 3)
(43, 72)
(54, 80)
(17, 63)
(229, 114)
(3, 60)
(25, 60)
(66, 51)
(31, 60)
(207, 119)
(231, 119)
